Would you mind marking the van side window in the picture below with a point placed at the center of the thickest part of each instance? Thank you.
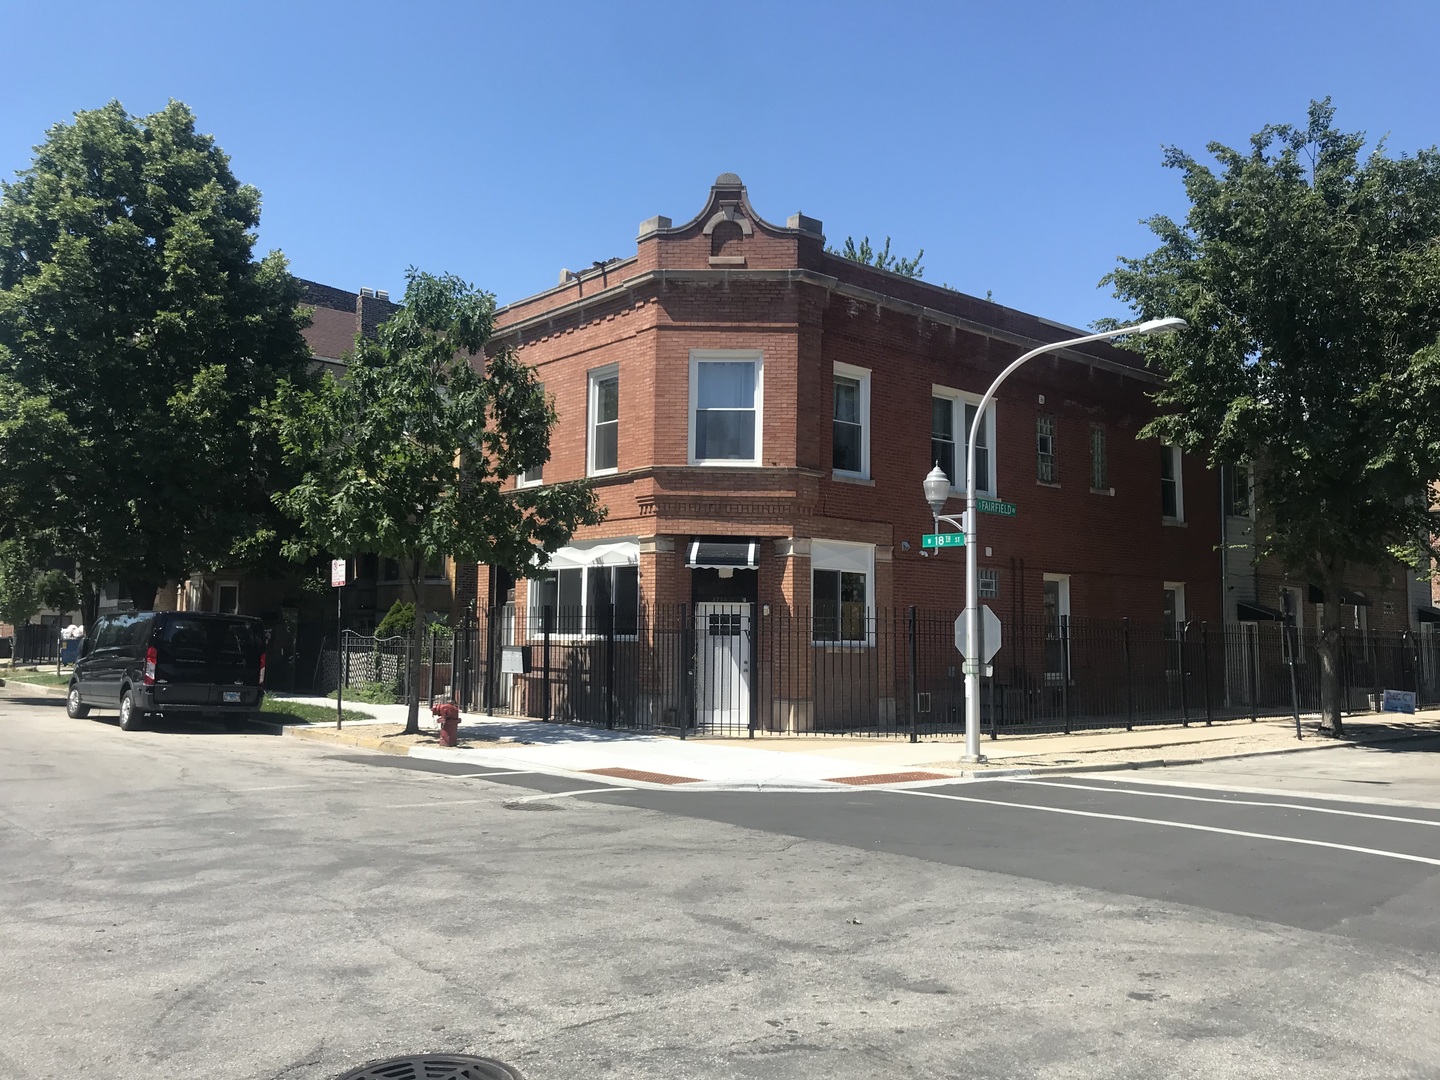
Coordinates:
(102, 634)
(127, 630)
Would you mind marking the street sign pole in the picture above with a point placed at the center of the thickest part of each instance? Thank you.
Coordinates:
(337, 582)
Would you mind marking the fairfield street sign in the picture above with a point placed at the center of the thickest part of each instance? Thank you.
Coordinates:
(995, 506)
(943, 540)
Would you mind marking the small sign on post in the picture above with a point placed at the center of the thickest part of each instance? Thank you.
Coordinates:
(995, 506)
(1402, 701)
(338, 570)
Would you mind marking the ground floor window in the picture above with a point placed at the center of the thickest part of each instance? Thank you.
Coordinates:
(842, 589)
(583, 600)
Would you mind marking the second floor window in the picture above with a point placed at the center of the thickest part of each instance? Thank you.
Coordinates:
(1099, 460)
(1172, 490)
(533, 475)
(1237, 490)
(1045, 449)
(850, 438)
(951, 418)
(604, 420)
(725, 398)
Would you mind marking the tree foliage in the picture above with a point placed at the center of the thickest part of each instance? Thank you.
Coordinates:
(1310, 278)
(880, 257)
(137, 334)
(25, 589)
(407, 456)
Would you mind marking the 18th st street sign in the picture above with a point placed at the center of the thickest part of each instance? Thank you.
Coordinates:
(942, 540)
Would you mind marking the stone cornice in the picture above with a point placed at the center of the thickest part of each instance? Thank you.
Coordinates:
(655, 281)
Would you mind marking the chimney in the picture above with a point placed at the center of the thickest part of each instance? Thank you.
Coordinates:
(367, 292)
(382, 294)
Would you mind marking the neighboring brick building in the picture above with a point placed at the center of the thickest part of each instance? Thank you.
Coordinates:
(758, 416)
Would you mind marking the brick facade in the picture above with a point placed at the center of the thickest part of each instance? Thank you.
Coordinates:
(728, 280)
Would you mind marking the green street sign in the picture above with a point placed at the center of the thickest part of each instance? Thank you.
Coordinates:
(995, 506)
(943, 540)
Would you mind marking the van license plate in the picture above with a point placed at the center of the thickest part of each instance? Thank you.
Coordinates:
(231, 695)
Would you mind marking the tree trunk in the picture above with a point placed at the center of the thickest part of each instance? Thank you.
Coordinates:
(417, 645)
(1332, 686)
(142, 593)
(89, 601)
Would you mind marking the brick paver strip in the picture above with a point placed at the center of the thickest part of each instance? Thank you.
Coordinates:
(640, 774)
(888, 778)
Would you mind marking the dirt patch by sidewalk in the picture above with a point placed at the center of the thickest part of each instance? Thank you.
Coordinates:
(390, 738)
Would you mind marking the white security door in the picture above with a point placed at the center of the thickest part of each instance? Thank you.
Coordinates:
(722, 668)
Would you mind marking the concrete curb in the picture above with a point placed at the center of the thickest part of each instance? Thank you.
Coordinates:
(41, 688)
(346, 738)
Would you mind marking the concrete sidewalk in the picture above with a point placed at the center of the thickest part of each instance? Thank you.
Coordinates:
(772, 762)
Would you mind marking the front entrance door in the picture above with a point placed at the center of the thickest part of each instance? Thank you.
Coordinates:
(722, 668)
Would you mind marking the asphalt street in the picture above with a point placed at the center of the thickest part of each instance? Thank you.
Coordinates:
(187, 902)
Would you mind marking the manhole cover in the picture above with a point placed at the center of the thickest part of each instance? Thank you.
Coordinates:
(434, 1067)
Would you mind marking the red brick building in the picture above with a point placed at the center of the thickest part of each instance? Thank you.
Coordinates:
(758, 415)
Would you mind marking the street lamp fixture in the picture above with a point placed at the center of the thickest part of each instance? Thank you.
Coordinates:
(937, 490)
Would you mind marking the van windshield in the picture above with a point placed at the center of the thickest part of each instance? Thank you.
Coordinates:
(232, 640)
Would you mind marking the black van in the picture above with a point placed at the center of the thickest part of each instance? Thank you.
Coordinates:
(170, 662)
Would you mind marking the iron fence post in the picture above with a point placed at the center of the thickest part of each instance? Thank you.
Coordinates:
(1252, 663)
(755, 646)
(1184, 676)
(1205, 674)
(687, 664)
(914, 684)
(1129, 677)
(547, 620)
(1065, 671)
(609, 668)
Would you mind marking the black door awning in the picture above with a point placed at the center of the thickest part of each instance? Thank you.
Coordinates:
(1427, 614)
(1347, 596)
(1256, 613)
(723, 555)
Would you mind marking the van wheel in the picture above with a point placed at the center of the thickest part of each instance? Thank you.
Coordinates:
(130, 716)
(73, 708)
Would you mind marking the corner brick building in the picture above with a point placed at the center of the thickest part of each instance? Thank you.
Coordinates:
(757, 415)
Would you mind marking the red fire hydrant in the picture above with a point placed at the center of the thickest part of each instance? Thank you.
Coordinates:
(449, 717)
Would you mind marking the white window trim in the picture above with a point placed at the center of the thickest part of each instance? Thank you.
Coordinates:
(1179, 589)
(962, 434)
(592, 402)
(1052, 677)
(1177, 463)
(700, 356)
(844, 555)
(862, 376)
(227, 584)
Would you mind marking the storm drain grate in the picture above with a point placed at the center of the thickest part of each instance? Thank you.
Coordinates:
(434, 1067)
(641, 774)
(889, 778)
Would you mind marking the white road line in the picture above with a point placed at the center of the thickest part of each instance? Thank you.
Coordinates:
(567, 794)
(1230, 802)
(483, 775)
(1173, 825)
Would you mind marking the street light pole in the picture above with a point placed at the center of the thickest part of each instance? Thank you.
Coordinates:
(975, 664)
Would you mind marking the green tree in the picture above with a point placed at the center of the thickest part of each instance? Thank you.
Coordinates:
(1311, 282)
(407, 455)
(880, 257)
(25, 589)
(137, 334)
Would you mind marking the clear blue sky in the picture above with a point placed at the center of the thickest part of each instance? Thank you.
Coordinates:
(1018, 143)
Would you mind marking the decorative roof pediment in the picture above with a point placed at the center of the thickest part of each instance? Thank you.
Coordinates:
(730, 202)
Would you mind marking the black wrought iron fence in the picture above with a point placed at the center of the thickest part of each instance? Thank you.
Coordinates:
(731, 670)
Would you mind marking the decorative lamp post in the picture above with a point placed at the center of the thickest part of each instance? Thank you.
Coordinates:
(937, 490)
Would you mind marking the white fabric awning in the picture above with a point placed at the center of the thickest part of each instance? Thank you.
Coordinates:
(595, 553)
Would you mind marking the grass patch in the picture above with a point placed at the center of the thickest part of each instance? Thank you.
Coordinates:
(34, 677)
(371, 693)
(299, 712)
